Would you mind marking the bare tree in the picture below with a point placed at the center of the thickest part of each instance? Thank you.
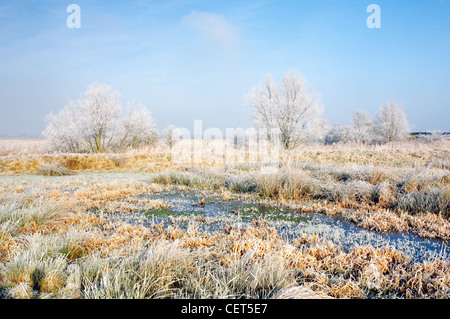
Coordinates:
(169, 136)
(391, 122)
(362, 127)
(288, 107)
(94, 123)
(98, 117)
(137, 128)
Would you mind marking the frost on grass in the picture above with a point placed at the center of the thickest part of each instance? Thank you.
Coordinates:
(335, 222)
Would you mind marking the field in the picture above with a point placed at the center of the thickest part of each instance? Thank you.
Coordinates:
(141, 225)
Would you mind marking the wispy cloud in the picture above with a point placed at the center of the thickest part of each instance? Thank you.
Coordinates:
(213, 27)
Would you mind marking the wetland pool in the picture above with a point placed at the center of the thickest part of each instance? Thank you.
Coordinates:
(289, 223)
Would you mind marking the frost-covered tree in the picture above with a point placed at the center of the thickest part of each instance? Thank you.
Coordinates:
(288, 107)
(169, 136)
(391, 123)
(94, 123)
(433, 136)
(137, 128)
(62, 131)
(338, 134)
(362, 127)
(317, 131)
(98, 117)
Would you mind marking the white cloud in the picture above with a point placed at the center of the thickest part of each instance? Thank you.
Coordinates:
(215, 28)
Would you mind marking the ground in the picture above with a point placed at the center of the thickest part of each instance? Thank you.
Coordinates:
(133, 225)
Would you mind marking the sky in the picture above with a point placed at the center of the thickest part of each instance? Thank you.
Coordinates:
(196, 60)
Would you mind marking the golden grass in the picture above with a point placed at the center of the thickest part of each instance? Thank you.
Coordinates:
(322, 269)
(73, 253)
(406, 154)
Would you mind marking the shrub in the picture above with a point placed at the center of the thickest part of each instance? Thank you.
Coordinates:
(40, 264)
(435, 201)
(359, 191)
(269, 185)
(22, 213)
(297, 185)
(384, 194)
(329, 190)
(53, 169)
(148, 274)
(243, 184)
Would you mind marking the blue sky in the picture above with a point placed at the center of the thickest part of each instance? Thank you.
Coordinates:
(188, 60)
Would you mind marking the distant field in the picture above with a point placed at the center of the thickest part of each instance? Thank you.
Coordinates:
(22, 146)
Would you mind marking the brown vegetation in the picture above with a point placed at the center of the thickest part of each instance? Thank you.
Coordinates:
(59, 237)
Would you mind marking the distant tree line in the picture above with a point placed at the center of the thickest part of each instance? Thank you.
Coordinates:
(292, 108)
(286, 112)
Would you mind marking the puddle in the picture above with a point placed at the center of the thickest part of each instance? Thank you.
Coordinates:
(289, 224)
